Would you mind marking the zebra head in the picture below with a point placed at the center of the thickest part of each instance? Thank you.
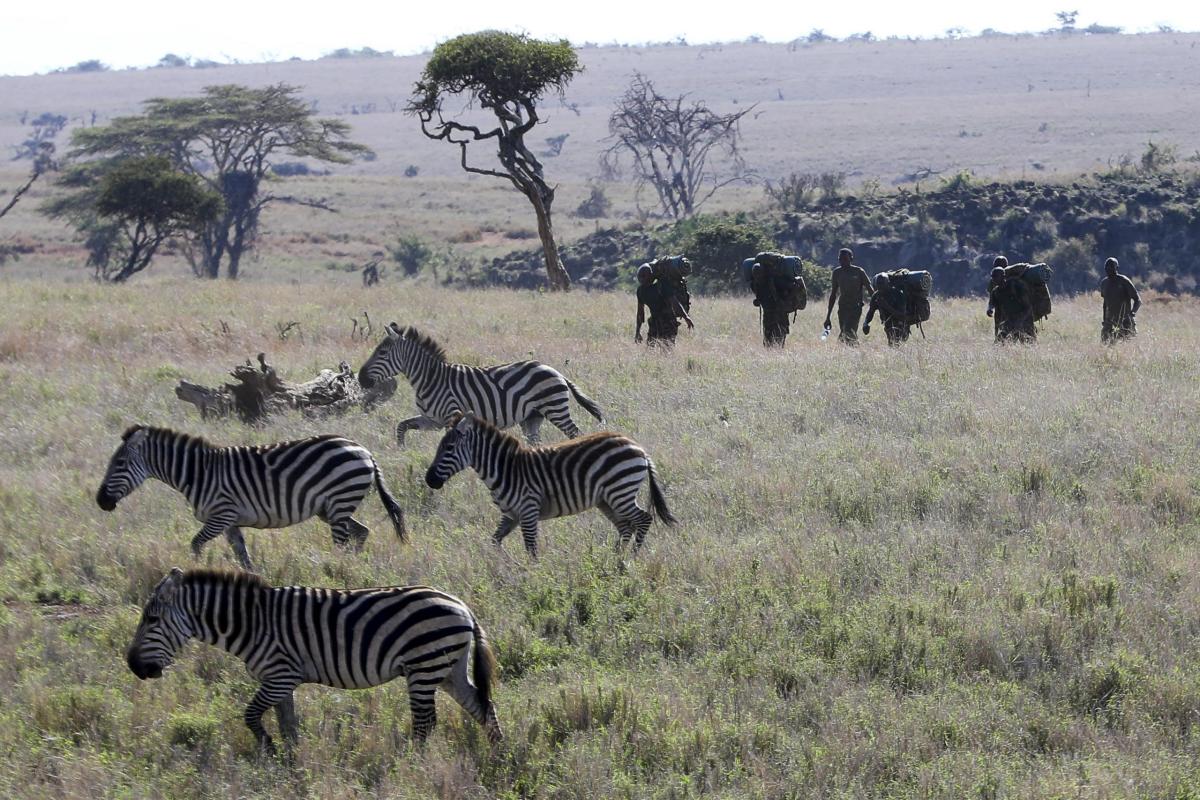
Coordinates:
(453, 453)
(389, 358)
(163, 629)
(126, 470)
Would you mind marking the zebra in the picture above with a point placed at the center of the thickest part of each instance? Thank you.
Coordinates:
(272, 486)
(351, 639)
(604, 470)
(524, 392)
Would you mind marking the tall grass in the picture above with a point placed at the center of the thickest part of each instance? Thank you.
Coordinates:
(949, 570)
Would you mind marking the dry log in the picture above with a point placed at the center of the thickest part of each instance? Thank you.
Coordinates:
(259, 392)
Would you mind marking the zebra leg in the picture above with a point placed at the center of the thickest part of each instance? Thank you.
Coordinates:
(349, 533)
(421, 423)
(608, 512)
(237, 541)
(289, 723)
(359, 532)
(268, 695)
(529, 532)
(641, 522)
(561, 419)
(424, 710)
(531, 426)
(505, 527)
(213, 528)
(458, 685)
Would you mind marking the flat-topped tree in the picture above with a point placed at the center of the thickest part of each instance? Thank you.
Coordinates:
(506, 74)
(228, 137)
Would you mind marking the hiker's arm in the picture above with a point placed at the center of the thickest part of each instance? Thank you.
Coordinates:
(833, 293)
(680, 311)
(866, 280)
(641, 320)
(1137, 299)
(871, 309)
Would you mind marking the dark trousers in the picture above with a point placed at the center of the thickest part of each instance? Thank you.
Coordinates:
(1115, 330)
(776, 326)
(848, 316)
(661, 331)
(896, 331)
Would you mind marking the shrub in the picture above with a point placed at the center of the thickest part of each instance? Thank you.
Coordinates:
(596, 205)
(717, 247)
(411, 253)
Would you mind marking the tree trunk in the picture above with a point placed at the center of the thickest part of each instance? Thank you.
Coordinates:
(259, 392)
(560, 281)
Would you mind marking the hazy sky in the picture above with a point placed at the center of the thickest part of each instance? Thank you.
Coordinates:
(42, 36)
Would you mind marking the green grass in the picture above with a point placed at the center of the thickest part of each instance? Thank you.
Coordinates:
(951, 570)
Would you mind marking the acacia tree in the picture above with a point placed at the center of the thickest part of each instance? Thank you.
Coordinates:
(669, 141)
(227, 138)
(506, 74)
(145, 201)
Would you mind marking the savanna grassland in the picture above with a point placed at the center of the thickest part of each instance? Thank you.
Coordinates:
(950, 570)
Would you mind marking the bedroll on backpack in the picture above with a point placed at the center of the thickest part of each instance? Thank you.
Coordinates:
(787, 276)
(1036, 278)
(916, 284)
(672, 271)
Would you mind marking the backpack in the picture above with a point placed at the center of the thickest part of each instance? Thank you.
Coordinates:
(671, 272)
(916, 285)
(786, 273)
(1036, 278)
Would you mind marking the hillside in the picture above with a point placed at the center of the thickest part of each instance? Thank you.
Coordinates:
(997, 106)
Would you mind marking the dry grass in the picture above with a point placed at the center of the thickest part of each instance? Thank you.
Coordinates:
(946, 571)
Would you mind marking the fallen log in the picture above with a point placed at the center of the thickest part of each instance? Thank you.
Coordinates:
(259, 392)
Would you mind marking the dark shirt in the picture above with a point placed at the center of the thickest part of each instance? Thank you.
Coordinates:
(851, 282)
(657, 299)
(892, 305)
(1121, 299)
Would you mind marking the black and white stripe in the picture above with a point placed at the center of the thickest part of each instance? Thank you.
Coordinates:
(601, 470)
(346, 639)
(272, 486)
(524, 392)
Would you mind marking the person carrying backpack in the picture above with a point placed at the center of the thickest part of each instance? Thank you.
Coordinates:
(664, 306)
(779, 290)
(891, 302)
(1121, 304)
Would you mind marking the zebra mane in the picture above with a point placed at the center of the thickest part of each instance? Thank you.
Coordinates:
(236, 580)
(490, 431)
(186, 438)
(423, 341)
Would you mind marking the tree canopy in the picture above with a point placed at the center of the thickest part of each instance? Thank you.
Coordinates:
(506, 74)
(146, 201)
(227, 138)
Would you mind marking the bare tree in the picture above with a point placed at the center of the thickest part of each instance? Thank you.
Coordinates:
(669, 140)
(39, 148)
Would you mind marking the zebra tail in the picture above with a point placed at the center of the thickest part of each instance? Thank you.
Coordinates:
(588, 403)
(658, 499)
(389, 503)
(483, 668)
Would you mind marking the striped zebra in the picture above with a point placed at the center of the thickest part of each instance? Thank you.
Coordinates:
(346, 639)
(524, 392)
(528, 484)
(261, 487)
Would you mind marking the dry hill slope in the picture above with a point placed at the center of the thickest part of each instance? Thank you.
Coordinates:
(883, 109)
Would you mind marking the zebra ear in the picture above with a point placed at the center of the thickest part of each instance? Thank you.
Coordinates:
(464, 422)
(454, 419)
(130, 431)
(393, 330)
(135, 436)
